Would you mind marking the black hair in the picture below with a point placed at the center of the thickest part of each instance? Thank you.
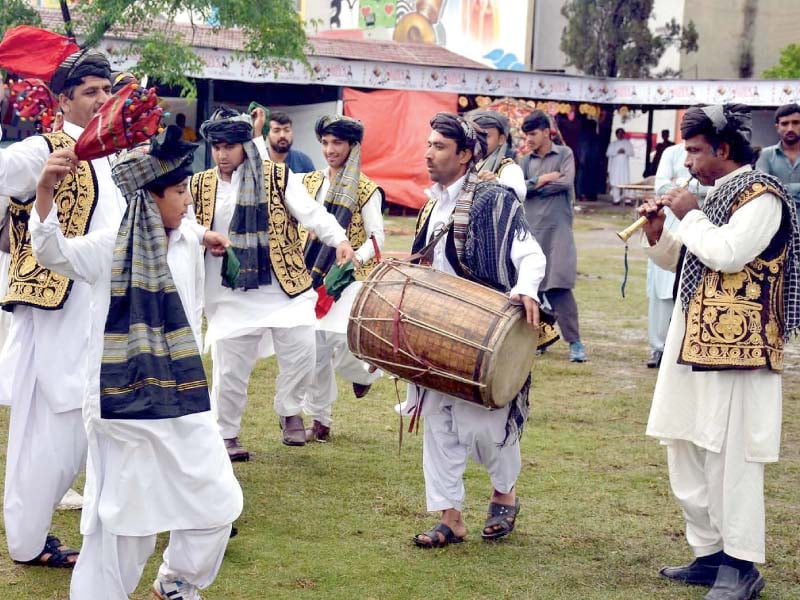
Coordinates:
(786, 110)
(180, 119)
(280, 117)
(535, 120)
(158, 186)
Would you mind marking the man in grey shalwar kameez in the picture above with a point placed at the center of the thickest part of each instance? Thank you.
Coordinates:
(549, 172)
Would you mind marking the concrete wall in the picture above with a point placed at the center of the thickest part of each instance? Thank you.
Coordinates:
(548, 27)
(720, 24)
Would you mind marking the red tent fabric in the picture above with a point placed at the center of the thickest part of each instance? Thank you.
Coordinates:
(396, 129)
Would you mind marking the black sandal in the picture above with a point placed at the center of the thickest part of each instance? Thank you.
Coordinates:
(503, 516)
(58, 555)
(435, 541)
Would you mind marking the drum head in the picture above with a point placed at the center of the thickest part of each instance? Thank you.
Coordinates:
(511, 363)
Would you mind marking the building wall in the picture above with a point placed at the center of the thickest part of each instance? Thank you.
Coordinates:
(720, 27)
(548, 27)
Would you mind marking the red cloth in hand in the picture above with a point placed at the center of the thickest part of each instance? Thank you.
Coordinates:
(324, 302)
(128, 118)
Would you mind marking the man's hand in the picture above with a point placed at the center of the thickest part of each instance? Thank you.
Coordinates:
(215, 242)
(344, 252)
(60, 163)
(259, 120)
(680, 201)
(487, 176)
(531, 308)
(550, 177)
(655, 220)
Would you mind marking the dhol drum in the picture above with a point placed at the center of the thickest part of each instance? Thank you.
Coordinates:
(442, 332)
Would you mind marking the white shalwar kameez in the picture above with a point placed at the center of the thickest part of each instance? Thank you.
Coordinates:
(45, 359)
(512, 176)
(243, 326)
(618, 170)
(455, 430)
(720, 427)
(333, 356)
(5, 263)
(143, 476)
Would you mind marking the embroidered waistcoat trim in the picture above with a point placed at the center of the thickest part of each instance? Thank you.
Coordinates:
(31, 284)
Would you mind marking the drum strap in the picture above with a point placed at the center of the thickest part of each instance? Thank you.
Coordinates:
(425, 255)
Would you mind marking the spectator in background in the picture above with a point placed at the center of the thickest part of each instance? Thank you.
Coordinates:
(189, 134)
(549, 172)
(619, 153)
(783, 159)
(660, 147)
(497, 165)
(280, 138)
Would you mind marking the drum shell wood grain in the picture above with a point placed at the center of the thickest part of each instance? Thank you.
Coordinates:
(453, 335)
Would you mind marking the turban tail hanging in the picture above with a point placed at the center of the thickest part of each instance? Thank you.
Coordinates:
(151, 365)
(342, 197)
(248, 229)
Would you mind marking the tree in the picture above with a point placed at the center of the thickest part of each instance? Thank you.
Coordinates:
(17, 12)
(611, 38)
(788, 66)
(273, 32)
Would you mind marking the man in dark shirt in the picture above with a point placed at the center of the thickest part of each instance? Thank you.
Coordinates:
(280, 138)
(660, 147)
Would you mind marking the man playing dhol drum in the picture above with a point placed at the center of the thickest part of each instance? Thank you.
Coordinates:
(461, 211)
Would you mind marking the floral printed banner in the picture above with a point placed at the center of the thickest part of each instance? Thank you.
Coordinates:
(227, 65)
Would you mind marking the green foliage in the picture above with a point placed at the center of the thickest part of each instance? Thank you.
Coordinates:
(273, 32)
(611, 38)
(170, 61)
(17, 12)
(788, 66)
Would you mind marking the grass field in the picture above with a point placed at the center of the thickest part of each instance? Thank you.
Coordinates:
(335, 520)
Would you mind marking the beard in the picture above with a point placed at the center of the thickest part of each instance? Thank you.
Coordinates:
(790, 138)
(281, 147)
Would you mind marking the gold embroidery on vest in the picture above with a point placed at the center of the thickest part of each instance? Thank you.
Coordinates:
(503, 164)
(204, 193)
(735, 320)
(356, 232)
(422, 217)
(285, 246)
(30, 283)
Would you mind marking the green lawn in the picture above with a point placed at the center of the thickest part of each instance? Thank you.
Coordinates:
(597, 521)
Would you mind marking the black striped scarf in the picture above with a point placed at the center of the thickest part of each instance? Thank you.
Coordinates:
(151, 367)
